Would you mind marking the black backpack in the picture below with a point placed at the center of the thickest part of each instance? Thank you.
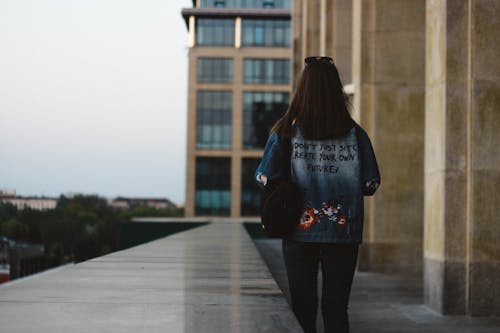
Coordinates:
(282, 207)
(282, 202)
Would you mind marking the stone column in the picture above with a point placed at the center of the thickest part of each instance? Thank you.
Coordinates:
(388, 76)
(462, 157)
(189, 208)
(306, 24)
(339, 36)
(324, 28)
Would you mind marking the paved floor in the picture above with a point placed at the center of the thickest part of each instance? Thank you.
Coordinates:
(386, 303)
(207, 279)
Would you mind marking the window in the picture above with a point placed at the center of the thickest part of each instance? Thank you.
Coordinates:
(272, 71)
(219, 4)
(213, 186)
(250, 192)
(215, 70)
(260, 111)
(265, 32)
(215, 32)
(213, 119)
(268, 4)
(285, 4)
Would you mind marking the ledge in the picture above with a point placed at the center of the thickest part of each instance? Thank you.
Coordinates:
(207, 279)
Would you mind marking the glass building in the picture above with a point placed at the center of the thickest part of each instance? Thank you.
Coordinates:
(239, 85)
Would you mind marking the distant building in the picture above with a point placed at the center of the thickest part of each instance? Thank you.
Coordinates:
(36, 203)
(6, 193)
(123, 203)
(45, 203)
(239, 85)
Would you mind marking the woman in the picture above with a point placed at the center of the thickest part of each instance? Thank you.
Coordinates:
(332, 161)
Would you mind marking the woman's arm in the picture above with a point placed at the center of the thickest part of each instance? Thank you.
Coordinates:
(370, 175)
(267, 166)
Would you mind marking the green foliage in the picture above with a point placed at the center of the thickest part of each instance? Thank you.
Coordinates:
(79, 228)
(146, 211)
(14, 229)
(7, 211)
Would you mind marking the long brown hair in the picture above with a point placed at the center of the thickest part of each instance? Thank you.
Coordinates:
(319, 105)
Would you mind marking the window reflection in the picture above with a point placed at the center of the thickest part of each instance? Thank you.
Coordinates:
(285, 4)
(213, 186)
(213, 119)
(260, 111)
(265, 32)
(250, 192)
(215, 70)
(268, 71)
(215, 32)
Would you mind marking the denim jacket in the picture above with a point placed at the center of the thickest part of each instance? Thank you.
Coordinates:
(334, 175)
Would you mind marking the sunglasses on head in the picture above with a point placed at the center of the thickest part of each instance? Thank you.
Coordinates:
(310, 60)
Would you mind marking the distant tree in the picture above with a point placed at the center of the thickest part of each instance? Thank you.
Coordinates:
(7, 211)
(93, 226)
(32, 219)
(14, 229)
(146, 211)
(78, 229)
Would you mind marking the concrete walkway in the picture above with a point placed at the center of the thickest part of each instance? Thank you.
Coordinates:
(207, 279)
(383, 303)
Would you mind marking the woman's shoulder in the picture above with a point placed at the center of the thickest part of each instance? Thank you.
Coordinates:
(359, 128)
(361, 133)
(272, 141)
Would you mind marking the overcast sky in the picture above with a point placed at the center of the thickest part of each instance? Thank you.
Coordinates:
(93, 97)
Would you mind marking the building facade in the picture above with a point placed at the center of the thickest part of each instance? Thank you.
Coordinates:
(427, 89)
(239, 85)
(36, 203)
(124, 203)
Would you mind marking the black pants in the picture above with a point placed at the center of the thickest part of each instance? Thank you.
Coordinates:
(338, 262)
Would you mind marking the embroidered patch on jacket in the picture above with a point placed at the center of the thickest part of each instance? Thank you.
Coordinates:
(331, 210)
(308, 219)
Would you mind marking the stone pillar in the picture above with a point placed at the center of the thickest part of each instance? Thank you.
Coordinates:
(339, 36)
(324, 28)
(189, 208)
(388, 76)
(462, 157)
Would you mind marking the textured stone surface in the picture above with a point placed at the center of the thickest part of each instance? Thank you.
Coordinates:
(386, 258)
(445, 286)
(485, 287)
(323, 27)
(462, 169)
(389, 82)
(206, 280)
(455, 209)
(486, 26)
(434, 236)
(486, 228)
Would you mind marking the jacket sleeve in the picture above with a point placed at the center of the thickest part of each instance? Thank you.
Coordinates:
(270, 164)
(370, 175)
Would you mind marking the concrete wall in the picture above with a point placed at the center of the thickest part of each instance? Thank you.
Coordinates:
(462, 157)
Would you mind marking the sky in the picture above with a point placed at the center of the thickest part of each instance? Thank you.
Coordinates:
(93, 97)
